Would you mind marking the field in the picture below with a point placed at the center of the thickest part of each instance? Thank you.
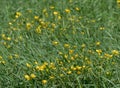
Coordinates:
(59, 44)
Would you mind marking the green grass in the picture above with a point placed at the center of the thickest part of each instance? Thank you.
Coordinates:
(62, 43)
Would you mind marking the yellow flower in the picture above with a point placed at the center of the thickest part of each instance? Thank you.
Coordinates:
(77, 9)
(55, 13)
(36, 17)
(108, 55)
(97, 43)
(102, 28)
(118, 1)
(28, 65)
(69, 72)
(71, 51)
(27, 77)
(55, 43)
(67, 10)
(38, 30)
(16, 55)
(66, 45)
(44, 82)
(65, 56)
(115, 52)
(52, 7)
(99, 51)
(8, 38)
(1, 57)
(3, 62)
(28, 26)
(18, 14)
(33, 76)
(51, 77)
(83, 45)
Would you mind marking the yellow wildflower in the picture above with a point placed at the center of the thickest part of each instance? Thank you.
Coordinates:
(33, 75)
(44, 82)
(27, 77)
(115, 52)
(52, 7)
(28, 26)
(55, 43)
(69, 72)
(83, 45)
(99, 51)
(38, 30)
(1, 57)
(28, 65)
(77, 9)
(36, 17)
(97, 43)
(55, 13)
(66, 45)
(67, 10)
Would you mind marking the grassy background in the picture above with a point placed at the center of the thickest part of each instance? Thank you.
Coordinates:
(76, 49)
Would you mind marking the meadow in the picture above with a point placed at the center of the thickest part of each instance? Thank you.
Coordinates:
(59, 43)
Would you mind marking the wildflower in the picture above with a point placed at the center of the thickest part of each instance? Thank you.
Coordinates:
(1, 57)
(44, 10)
(51, 77)
(78, 67)
(28, 26)
(33, 75)
(8, 38)
(44, 82)
(52, 7)
(52, 66)
(55, 43)
(36, 17)
(72, 58)
(65, 56)
(118, 1)
(3, 62)
(28, 65)
(18, 14)
(36, 62)
(115, 52)
(69, 72)
(71, 51)
(77, 9)
(66, 45)
(97, 43)
(16, 55)
(102, 28)
(27, 77)
(99, 51)
(107, 55)
(55, 13)
(3, 36)
(59, 17)
(107, 73)
(10, 23)
(83, 45)
(60, 53)
(67, 10)
(61, 75)
(38, 30)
